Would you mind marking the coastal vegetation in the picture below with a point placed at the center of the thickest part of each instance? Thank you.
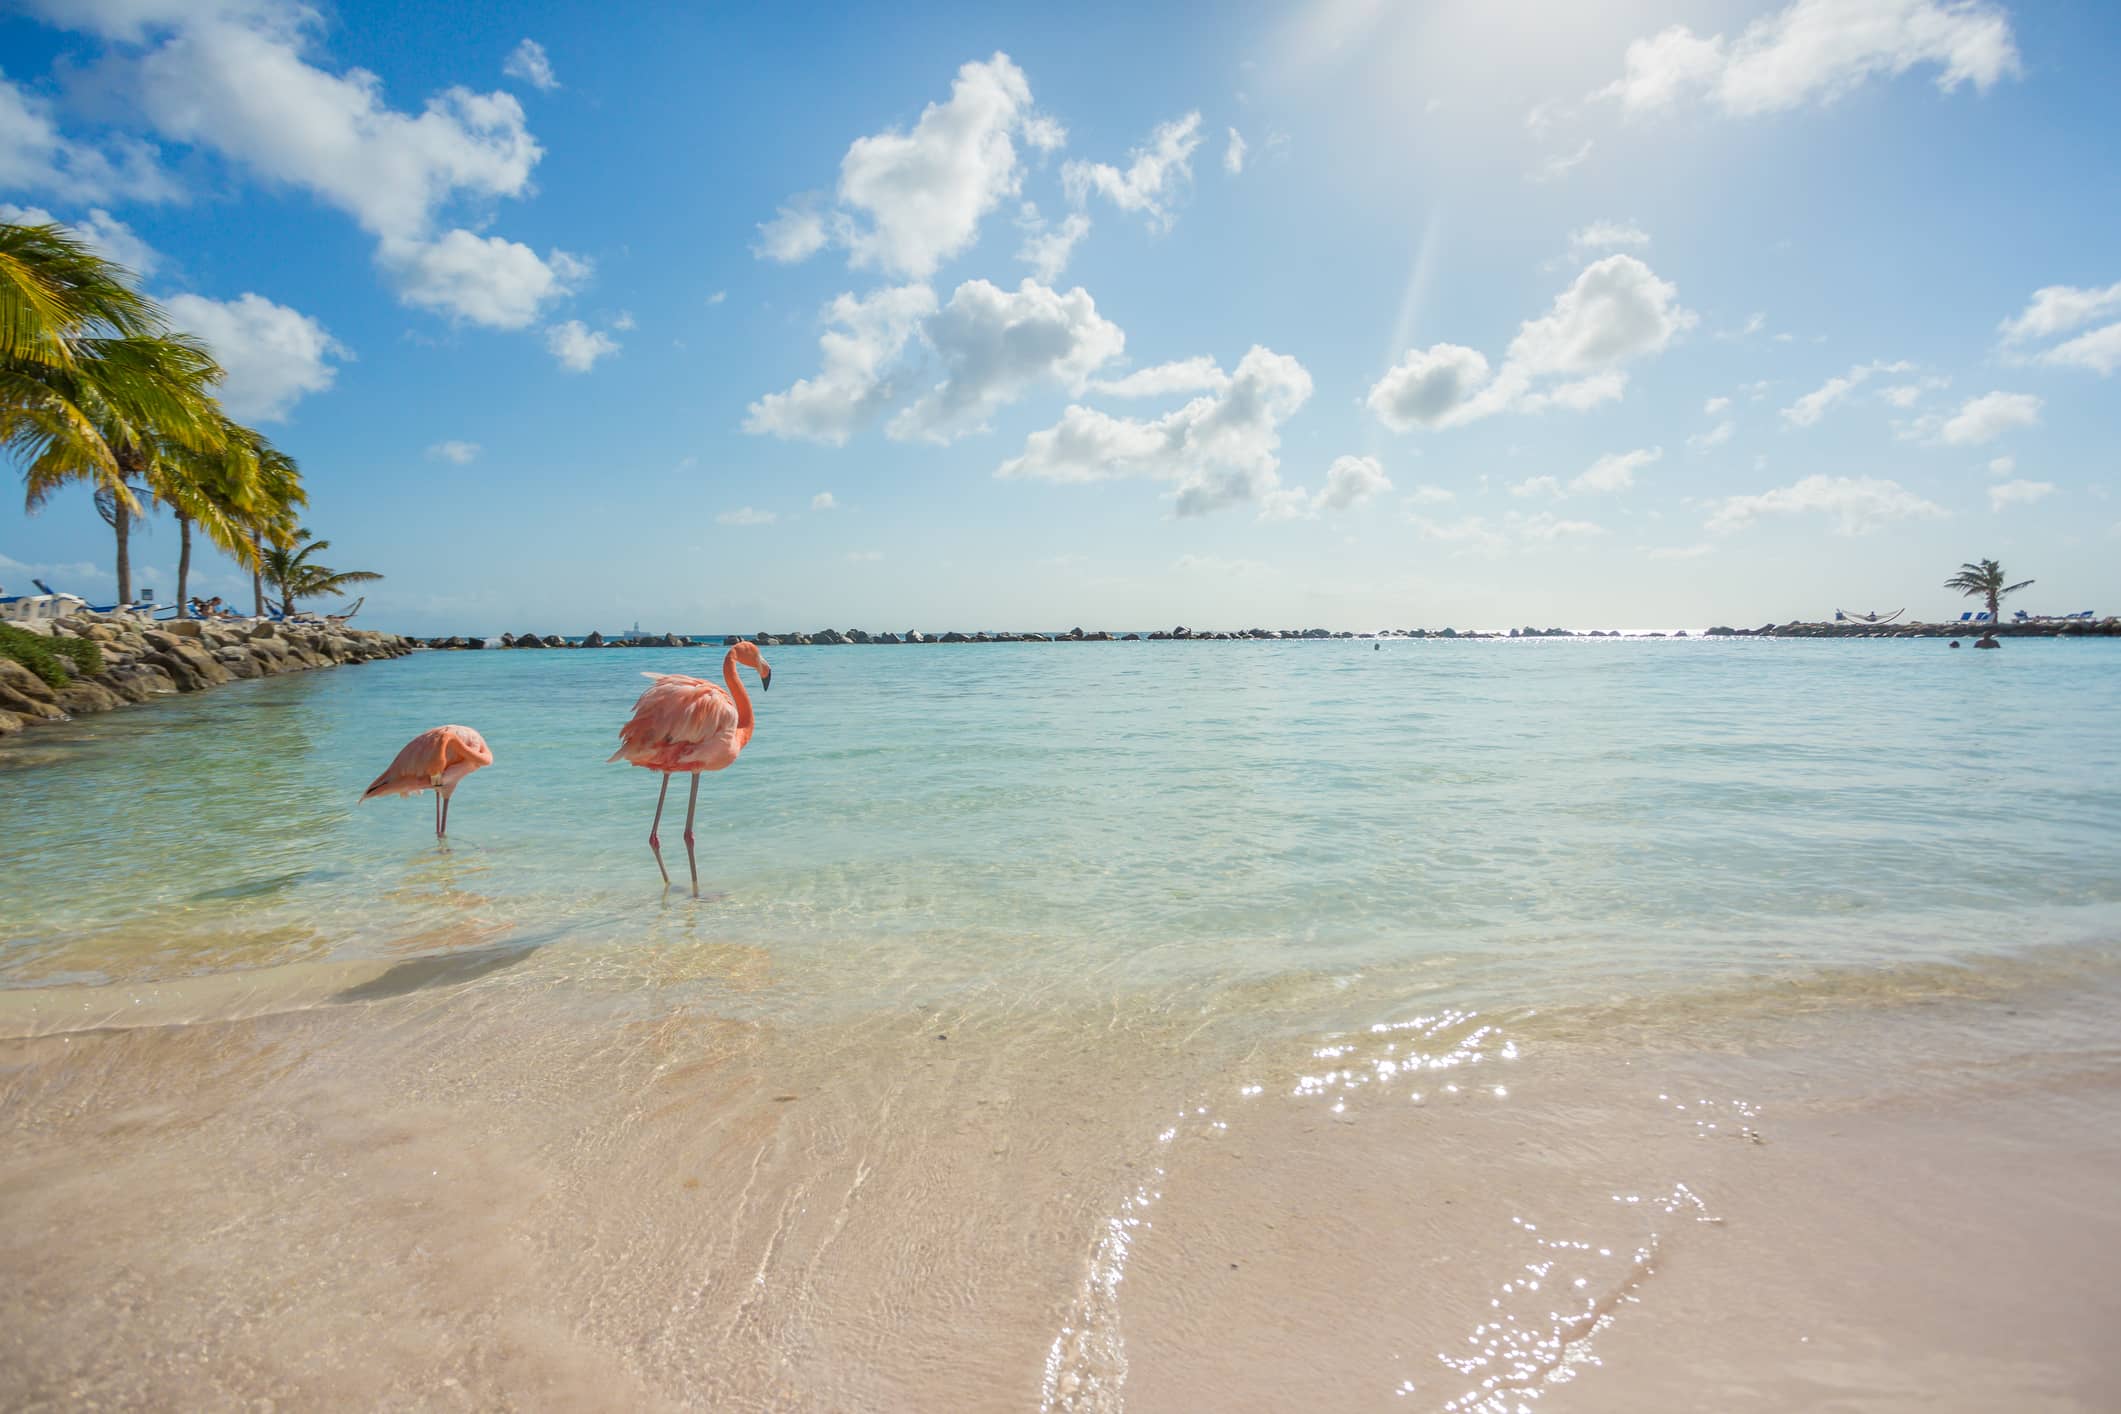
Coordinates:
(97, 389)
(296, 576)
(1983, 579)
(55, 660)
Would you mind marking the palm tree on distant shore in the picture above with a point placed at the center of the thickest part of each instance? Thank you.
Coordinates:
(290, 570)
(1983, 579)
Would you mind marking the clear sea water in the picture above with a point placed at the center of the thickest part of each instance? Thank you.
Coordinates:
(1164, 1026)
(1510, 822)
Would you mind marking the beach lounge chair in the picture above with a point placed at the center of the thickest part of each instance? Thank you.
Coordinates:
(1967, 617)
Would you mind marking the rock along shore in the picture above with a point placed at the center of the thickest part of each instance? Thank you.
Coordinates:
(141, 660)
(2041, 628)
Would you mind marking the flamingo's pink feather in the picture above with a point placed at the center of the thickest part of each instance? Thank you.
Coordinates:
(448, 754)
(681, 724)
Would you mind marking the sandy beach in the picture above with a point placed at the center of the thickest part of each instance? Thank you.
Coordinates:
(545, 1187)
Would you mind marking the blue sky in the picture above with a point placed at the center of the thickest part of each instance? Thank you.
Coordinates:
(1487, 313)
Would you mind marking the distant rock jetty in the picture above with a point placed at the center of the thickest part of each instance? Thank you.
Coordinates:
(134, 660)
(2041, 628)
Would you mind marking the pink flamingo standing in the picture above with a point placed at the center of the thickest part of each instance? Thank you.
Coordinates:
(437, 759)
(687, 724)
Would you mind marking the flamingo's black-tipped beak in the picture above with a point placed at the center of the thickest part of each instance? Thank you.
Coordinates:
(765, 678)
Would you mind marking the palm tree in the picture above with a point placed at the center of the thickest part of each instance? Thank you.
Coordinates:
(273, 519)
(220, 492)
(1983, 579)
(296, 576)
(91, 378)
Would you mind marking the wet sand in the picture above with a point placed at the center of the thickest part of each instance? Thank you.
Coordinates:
(512, 1181)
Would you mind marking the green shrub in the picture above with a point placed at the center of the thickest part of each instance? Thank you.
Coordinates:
(85, 653)
(33, 651)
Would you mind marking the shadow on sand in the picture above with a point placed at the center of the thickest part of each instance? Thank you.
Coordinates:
(439, 970)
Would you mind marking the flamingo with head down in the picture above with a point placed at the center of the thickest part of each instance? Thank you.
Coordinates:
(437, 760)
(690, 725)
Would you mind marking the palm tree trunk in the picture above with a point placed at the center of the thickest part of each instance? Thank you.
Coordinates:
(257, 578)
(121, 522)
(183, 564)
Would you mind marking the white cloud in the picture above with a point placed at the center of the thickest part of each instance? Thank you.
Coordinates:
(745, 515)
(1807, 410)
(1681, 552)
(1715, 405)
(461, 453)
(1219, 450)
(623, 321)
(1350, 482)
(529, 62)
(1154, 173)
(824, 501)
(102, 232)
(796, 232)
(2002, 466)
(1715, 437)
(865, 337)
(718, 296)
(1234, 154)
(1578, 395)
(1558, 164)
(994, 344)
(1045, 133)
(1548, 486)
(1817, 50)
(2100, 350)
(577, 346)
(908, 201)
(486, 280)
(925, 192)
(35, 157)
(1614, 311)
(1429, 387)
(1607, 235)
(1186, 375)
(1855, 505)
(2018, 493)
(1516, 531)
(2057, 309)
(1989, 416)
(1615, 471)
(272, 356)
(237, 79)
(1047, 249)
(1428, 496)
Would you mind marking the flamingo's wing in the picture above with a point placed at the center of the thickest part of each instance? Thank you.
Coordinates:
(415, 766)
(450, 752)
(677, 723)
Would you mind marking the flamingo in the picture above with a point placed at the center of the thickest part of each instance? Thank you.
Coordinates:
(687, 724)
(437, 759)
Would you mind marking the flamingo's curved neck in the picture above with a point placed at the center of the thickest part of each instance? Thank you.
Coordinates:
(737, 693)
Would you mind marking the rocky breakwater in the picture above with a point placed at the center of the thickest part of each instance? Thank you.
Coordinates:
(2030, 628)
(95, 662)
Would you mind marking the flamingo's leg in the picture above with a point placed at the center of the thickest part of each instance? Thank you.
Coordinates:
(445, 812)
(690, 858)
(654, 842)
(438, 814)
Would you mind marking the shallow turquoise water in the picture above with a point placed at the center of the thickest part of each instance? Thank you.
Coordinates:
(1516, 822)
